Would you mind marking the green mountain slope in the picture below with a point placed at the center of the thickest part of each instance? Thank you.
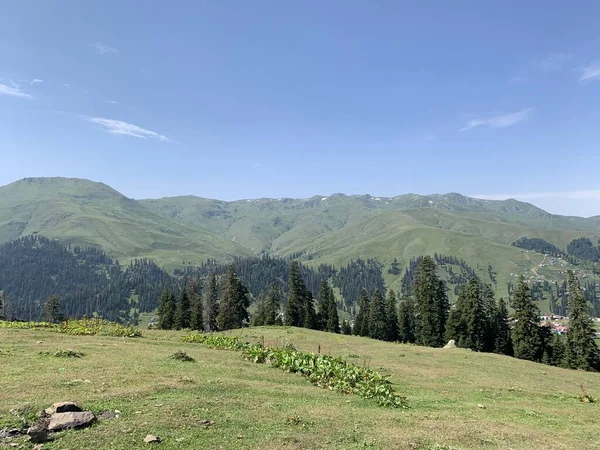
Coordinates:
(86, 213)
(337, 228)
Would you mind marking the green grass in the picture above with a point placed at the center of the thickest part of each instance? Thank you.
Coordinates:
(526, 405)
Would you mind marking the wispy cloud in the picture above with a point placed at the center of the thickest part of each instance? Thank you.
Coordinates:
(591, 72)
(553, 62)
(257, 164)
(123, 128)
(36, 81)
(103, 49)
(499, 120)
(67, 85)
(111, 102)
(550, 63)
(573, 195)
(14, 91)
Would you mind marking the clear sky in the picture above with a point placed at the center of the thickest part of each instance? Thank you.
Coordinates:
(239, 99)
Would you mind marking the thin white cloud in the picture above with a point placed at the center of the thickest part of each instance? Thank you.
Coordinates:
(123, 128)
(591, 72)
(14, 91)
(67, 85)
(36, 81)
(103, 49)
(572, 195)
(111, 102)
(553, 62)
(257, 164)
(499, 120)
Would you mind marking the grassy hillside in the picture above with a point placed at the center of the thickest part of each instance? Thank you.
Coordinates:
(82, 212)
(338, 228)
(457, 399)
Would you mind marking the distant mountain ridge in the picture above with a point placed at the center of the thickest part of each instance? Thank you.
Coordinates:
(332, 229)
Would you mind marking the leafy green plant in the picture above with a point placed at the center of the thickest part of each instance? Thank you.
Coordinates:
(182, 356)
(64, 354)
(321, 370)
(87, 327)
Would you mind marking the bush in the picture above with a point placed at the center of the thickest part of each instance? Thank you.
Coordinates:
(64, 354)
(180, 355)
(87, 327)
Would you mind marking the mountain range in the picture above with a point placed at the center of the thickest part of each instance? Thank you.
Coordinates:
(333, 229)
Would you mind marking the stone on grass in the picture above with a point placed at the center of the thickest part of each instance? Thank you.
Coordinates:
(66, 420)
(62, 407)
(451, 344)
(151, 439)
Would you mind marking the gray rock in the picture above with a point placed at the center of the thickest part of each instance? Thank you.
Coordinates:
(62, 421)
(9, 433)
(150, 439)
(62, 407)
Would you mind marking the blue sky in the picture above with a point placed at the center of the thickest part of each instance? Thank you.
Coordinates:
(237, 99)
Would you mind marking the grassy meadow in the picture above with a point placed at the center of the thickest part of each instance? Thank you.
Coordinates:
(457, 399)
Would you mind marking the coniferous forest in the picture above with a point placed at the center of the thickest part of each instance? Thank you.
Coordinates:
(41, 278)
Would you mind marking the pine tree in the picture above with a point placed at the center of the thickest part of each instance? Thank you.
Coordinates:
(166, 310)
(377, 323)
(183, 315)
(210, 299)
(490, 311)
(406, 321)
(258, 318)
(323, 305)
(273, 306)
(502, 341)
(525, 334)
(467, 322)
(294, 312)
(193, 289)
(310, 316)
(333, 320)
(361, 323)
(346, 328)
(233, 307)
(431, 305)
(391, 315)
(52, 309)
(581, 351)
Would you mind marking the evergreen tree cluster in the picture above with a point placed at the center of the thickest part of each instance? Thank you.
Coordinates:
(214, 308)
(583, 248)
(538, 245)
(377, 317)
(88, 282)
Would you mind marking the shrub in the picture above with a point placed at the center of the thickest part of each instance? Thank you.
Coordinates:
(180, 355)
(64, 354)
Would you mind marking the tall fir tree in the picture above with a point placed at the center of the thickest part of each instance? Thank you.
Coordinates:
(210, 303)
(52, 309)
(294, 312)
(406, 321)
(502, 340)
(323, 297)
(361, 322)
(391, 316)
(377, 323)
(431, 305)
(195, 296)
(333, 320)
(308, 306)
(234, 302)
(273, 306)
(166, 310)
(467, 322)
(3, 306)
(490, 311)
(259, 316)
(526, 337)
(183, 315)
(581, 351)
